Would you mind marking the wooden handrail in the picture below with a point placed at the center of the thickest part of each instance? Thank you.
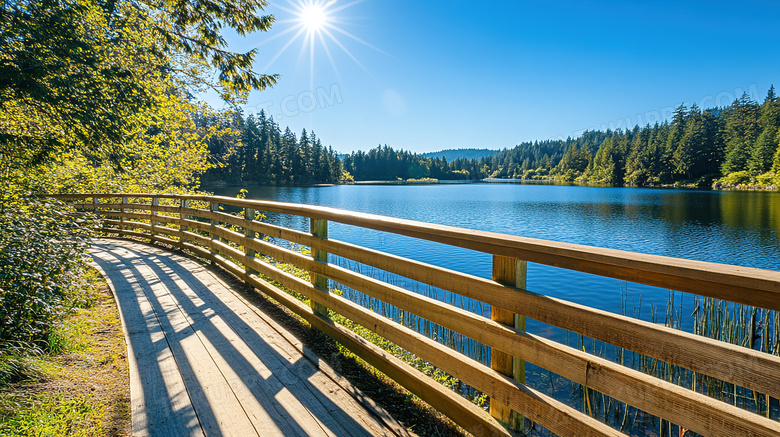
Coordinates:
(738, 365)
(745, 285)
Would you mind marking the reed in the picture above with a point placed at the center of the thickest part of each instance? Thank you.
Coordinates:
(743, 325)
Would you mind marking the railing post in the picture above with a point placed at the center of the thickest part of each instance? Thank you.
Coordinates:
(94, 205)
(155, 204)
(123, 211)
(249, 216)
(212, 230)
(512, 272)
(319, 228)
(182, 227)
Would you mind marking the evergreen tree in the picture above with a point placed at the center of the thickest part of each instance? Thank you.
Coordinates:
(637, 163)
(762, 154)
(676, 131)
(776, 163)
(741, 133)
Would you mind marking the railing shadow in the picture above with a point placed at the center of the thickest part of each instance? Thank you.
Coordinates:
(166, 407)
(186, 290)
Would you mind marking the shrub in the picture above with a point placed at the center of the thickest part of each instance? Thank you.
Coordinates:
(768, 179)
(737, 178)
(42, 247)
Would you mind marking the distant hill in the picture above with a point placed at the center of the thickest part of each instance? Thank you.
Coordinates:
(453, 154)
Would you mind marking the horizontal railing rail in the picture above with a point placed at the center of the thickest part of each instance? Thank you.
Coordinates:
(195, 223)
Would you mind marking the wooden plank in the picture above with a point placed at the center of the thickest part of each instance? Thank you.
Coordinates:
(548, 412)
(260, 384)
(128, 206)
(682, 406)
(692, 410)
(197, 238)
(115, 206)
(218, 407)
(249, 217)
(182, 221)
(130, 225)
(313, 392)
(154, 213)
(160, 404)
(472, 418)
(160, 220)
(213, 223)
(738, 284)
(742, 366)
(194, 224)
(123, 211)
(157, 238)
(319, 228)
(197, 300)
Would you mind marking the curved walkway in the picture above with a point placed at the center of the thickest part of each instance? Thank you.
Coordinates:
(203, 361)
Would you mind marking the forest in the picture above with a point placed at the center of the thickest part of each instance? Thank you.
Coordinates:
(255, 151)
(735, 145)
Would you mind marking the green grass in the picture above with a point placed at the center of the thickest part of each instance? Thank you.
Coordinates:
(76, 383)
(17, 367)
(71, 336)
(53, 415)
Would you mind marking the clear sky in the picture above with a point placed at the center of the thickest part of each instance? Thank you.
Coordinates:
(426, 75)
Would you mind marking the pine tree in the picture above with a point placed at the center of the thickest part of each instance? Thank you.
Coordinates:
(676, 132)
(761, 156)
(741, 134)
(288, 157)
(685, 151)
(776, 163)
(250, 139)
(636, 163)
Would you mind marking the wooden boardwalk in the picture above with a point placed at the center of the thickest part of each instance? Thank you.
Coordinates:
(203, 361)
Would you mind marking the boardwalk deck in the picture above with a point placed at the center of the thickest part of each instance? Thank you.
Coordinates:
(205, 362)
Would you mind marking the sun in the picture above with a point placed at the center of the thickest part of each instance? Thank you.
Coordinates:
(318, 25)
(313, 17)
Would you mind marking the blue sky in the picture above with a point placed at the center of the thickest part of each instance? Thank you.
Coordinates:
(427, 75)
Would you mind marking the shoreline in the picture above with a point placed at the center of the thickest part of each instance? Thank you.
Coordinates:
(677, 186)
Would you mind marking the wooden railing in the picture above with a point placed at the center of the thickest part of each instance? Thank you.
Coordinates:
(196, 224)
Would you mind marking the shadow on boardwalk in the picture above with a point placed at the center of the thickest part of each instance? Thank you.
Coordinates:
(202, 362)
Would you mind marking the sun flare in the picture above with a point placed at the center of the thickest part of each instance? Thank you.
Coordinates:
(313, 17)
(318, 24)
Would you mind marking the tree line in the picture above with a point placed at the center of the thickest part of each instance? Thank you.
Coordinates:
(256, 152)
(738, 144)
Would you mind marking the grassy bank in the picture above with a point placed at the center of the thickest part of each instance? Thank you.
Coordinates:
(78, 383)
